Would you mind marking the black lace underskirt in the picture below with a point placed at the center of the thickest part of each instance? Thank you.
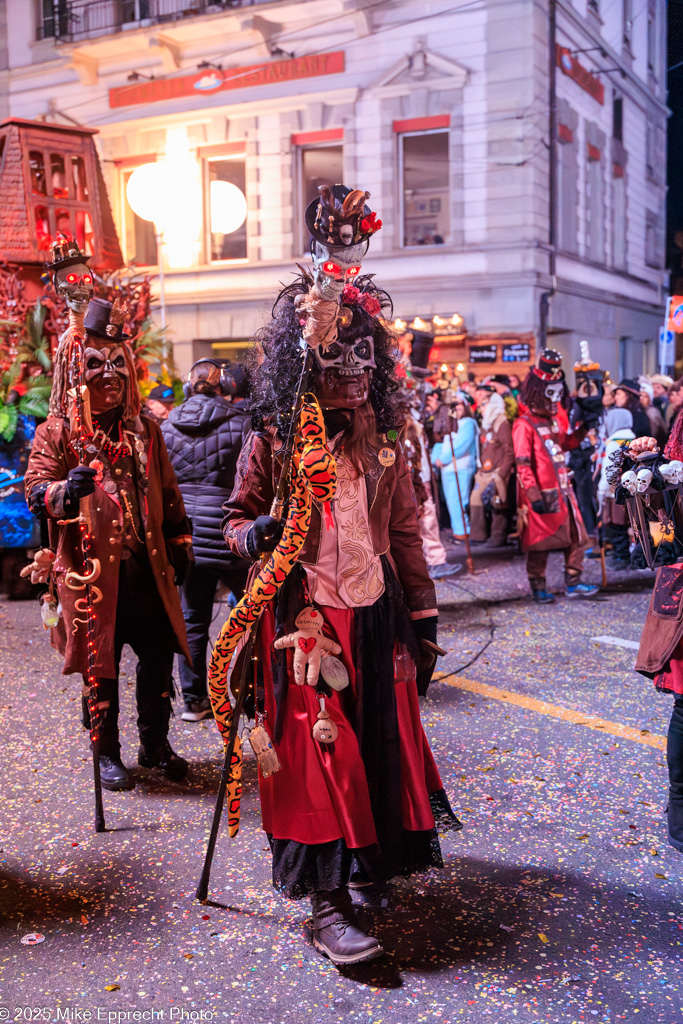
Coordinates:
(300, 869)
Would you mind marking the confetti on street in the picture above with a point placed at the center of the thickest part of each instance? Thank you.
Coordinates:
(558, 902)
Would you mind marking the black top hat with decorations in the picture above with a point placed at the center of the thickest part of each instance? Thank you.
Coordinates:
(549, 365)
(105, 320)
(340, 217)
(65, 253)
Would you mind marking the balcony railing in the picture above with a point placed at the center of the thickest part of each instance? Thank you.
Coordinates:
(70, 20)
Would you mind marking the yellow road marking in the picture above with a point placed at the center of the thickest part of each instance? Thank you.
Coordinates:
(603, 725)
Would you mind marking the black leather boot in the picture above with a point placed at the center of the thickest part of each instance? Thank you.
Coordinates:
(335, 933)
(114, 775)
(163, 758)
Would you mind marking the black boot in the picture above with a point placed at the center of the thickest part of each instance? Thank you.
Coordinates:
(164, 760)
(114, 775)
(335, 934)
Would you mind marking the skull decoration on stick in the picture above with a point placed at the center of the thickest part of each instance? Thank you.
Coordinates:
(341, 226)
(652, 487)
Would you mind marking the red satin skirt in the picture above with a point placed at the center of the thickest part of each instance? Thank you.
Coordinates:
(321, 794)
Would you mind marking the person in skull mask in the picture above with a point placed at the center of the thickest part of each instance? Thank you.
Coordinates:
(139, 535)
(587, 409)
(549, 514)
(344, 818)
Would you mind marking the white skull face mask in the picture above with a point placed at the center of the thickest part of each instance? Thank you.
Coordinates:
(333, 268)
(554, 391)
(75, 285)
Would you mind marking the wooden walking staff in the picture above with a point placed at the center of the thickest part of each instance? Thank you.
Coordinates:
(470, 562)
(231, 770)
(73, 281)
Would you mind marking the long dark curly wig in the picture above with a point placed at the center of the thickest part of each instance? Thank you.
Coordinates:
(278, 356)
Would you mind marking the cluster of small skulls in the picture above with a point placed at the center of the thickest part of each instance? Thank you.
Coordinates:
(637, 483)
(672, 471)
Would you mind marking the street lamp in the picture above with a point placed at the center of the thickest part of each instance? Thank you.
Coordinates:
(148, 196)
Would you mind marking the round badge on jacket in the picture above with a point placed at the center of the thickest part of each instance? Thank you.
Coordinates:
(387, 456)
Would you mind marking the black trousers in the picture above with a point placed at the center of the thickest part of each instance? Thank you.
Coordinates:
(674, 755)
(197, 596)
(584, 487)
(141, 622)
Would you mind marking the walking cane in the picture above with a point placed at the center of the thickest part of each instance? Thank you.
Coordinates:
(64, 254)
(276, 511)
(601, 542)
(470, 562)
(226, 771)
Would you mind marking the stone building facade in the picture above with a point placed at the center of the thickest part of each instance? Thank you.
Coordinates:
(440, 111)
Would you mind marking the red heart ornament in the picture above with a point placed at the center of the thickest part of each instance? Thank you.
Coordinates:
(307, 643)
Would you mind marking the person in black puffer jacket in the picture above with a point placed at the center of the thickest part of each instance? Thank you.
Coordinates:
(204, 438)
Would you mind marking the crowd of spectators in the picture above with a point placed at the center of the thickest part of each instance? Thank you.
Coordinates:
(468, 421)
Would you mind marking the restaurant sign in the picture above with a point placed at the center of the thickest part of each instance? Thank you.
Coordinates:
(215, 80)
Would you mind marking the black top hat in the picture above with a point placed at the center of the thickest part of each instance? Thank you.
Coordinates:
(65, 253)
(105, 320)
(549, 365)
(340, 207)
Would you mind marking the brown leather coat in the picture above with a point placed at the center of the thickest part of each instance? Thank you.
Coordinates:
(163, 520)
(391, 503)
(663, 627)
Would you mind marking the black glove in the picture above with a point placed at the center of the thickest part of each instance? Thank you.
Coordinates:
(425, 629)
(538, 507)
(79, 483)
(264, 535)
(181, 557)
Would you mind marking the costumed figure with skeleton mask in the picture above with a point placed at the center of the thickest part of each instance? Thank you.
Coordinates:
(355, 800)
(549, 516)
(102, 470)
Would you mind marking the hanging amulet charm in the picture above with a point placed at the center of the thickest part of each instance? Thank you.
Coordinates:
(324, 730)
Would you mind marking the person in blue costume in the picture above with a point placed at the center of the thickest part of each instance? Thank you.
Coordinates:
(464, 439)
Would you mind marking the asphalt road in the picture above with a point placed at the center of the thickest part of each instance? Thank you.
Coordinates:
(560, 900)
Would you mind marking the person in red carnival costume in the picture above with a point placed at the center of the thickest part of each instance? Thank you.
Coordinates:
(549, 514)
(660, 655)
(140, 535)
(365, 808)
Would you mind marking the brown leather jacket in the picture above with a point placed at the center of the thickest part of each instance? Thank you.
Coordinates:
(163, 519)
(663, 627)
(391, 502)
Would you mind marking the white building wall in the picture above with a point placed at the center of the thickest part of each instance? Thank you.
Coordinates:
(484, 66)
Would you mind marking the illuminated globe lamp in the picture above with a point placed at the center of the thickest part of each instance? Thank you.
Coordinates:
(149, 196)
(228, 205)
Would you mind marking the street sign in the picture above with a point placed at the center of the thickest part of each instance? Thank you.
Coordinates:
(519, 352)
(667, 349)
(483, 353)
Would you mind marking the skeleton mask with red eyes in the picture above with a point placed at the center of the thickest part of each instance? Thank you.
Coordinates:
(335, 267)
(75, 284)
